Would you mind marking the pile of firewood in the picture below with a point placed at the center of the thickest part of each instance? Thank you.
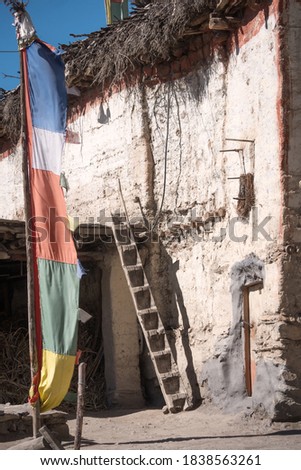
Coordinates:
(14, 366)
(15, 370)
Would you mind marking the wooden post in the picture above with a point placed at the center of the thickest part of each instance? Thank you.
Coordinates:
(29, 252)
(80, 404)
(247, 330)
(257, 284)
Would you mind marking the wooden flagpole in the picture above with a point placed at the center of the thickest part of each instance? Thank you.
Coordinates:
(36, 421)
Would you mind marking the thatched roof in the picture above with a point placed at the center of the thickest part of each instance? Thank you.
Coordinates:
(151, 35)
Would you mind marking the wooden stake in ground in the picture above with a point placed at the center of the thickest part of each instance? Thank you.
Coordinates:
(80, 404)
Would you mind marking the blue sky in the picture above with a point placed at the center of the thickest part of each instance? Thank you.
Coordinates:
(54, 20)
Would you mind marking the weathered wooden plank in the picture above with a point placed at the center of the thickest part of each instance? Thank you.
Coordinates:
(224, 23)
(52, 441)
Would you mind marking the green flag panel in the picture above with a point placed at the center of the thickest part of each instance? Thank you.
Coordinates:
(59, 290)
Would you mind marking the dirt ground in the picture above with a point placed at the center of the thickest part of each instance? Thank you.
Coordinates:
(204, 428)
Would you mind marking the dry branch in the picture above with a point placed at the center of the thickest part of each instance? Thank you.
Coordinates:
(15, 369)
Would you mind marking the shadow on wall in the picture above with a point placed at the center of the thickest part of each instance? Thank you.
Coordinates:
(181, 311)
(170, 303)
(225, 372)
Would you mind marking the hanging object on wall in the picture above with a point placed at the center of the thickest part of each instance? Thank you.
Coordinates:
(116, 10)
(246, 195)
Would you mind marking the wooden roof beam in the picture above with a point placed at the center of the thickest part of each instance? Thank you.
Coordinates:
(223, 23)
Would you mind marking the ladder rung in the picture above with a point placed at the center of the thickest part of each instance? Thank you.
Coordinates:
(129, 246)
(135, 267)
(148, 311)
(170, 375)
(163, 353)
(178, 396)
(157, 332)
(144, 288)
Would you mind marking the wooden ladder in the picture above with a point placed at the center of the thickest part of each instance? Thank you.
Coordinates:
(148, 316)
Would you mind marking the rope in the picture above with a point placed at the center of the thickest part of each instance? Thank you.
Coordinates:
(165, 160)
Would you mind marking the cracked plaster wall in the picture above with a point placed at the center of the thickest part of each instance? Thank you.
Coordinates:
(198, 113)
(235, 99)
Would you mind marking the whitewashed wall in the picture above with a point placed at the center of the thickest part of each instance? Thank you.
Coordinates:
(235, 99)
(11, 188)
